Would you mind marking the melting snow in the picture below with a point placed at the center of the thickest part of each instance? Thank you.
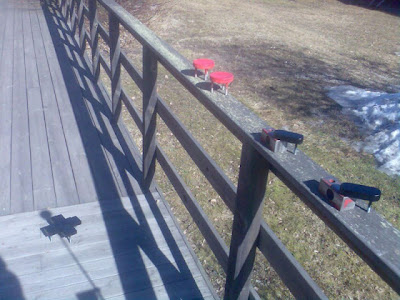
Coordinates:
(379, 114)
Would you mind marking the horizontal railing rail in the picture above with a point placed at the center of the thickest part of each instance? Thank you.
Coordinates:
(378, 247)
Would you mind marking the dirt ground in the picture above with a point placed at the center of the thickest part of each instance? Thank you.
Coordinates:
(284, 54)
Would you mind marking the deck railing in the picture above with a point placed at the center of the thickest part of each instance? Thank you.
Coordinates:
(249, 230)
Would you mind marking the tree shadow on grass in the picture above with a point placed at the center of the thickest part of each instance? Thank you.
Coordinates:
(388, 6)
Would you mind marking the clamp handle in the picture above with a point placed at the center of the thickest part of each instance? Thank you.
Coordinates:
(362, 192)
(359, 191)
(288, 136)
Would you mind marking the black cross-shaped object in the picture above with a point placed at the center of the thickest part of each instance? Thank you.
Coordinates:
(64, 227)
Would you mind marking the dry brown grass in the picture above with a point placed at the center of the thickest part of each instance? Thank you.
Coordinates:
(284, 55)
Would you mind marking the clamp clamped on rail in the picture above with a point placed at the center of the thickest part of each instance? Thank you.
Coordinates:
(279, 140)
(339, 193)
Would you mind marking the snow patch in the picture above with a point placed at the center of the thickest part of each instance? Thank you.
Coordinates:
(379, 114)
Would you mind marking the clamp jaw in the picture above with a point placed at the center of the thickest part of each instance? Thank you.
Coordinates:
(339, 193)
(279, 140)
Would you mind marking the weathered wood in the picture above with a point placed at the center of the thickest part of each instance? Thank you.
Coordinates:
(105, 65)
(299, 172)
(289, 270)
(132, 110)
(64, 181)
(115, 64)
(21, 177)
(6, 89)
(104, 34)
(42, 176)
(246, 223)
(149, 116)
(81, 26)
(133, 72)
(43, 185)
(205, 226)
(142, 256)
(124, 179)
(32, 80)
(94, 38)
(73, 15)
(158, 292)
(78, 154)
(213, 173)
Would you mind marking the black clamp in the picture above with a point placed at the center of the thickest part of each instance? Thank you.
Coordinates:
(279, 140)
(339, 193)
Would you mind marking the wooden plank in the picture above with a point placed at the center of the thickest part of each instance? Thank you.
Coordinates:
(289, 270)
(98, 106)
(135, 114)
(6, 88)
(246, 223)
(21, 177)
(42, 177)
(111, 286)
(105, 65)
(94, 38)
(136, 261)
(64, 181)
(149, 118)
(148, 234)
(17, 228)
(103, 178)
(81, 27)
(115, 64)
(104, 34)
(133, 72)
(32, 80)
(67, 91)
(3, 24)
(180, 287)
(213, 173)
(94, 252)
(52, 271)
(205, 226)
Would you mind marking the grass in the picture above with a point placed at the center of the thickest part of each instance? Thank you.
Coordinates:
(284, 55)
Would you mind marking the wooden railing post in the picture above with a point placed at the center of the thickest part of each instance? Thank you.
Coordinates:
(94, 37)
(73, 16)
(81, 21)
(67, 9)
(115, 63)
(63, 6)
(246, 224)
(149, 116)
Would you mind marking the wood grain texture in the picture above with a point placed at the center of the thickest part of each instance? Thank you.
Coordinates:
(150, 69)
(65, 97)
(246, 223)
(6, 88)
(133, 257)
(21, 177)
(64, 180)
(94, 38)
(115, 64)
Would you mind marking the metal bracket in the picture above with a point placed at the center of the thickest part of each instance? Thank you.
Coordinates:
(279, 140)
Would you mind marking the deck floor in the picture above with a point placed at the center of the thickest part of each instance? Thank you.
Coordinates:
(60, 154)
(58, 147)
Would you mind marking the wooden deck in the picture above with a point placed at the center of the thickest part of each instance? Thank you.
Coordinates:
(59, 153)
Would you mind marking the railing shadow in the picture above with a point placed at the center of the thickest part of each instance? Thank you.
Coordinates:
(90, 107)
